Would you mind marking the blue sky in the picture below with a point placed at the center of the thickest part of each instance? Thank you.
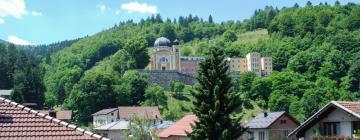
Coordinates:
(48, 21)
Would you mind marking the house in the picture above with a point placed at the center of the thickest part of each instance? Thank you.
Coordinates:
(178, 130)
(105, 116)
(114, 131)
(270, 126)
(5, 93)
(110, 115)
(64, 115)
(18, 122)
(337, 120)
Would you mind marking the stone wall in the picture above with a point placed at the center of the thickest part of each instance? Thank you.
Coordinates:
(164, 78)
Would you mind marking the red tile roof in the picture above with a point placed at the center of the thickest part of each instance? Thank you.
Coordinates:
(20, 122)
(353, 106)
(151, 113)
(180, 127)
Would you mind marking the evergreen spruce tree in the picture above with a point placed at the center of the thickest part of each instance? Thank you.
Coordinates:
(215, 102)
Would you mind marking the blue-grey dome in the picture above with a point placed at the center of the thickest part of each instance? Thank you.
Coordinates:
(162, 41)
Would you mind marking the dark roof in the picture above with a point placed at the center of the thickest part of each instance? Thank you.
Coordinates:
(20, 122)
(353, 108)
(150, 113)
(105, 111)
(162, 42)
(260, 121)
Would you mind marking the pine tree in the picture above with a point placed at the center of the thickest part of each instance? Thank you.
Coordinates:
(210, 19)
(214, 101)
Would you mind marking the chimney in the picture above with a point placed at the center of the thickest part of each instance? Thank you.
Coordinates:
(265, 114)
(52, 113)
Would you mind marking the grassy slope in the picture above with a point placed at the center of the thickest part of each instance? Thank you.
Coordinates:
(246, 38)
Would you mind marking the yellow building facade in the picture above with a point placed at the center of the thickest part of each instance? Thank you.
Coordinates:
(165, 55)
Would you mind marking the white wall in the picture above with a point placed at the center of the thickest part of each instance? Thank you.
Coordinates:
(337, 115)
(256, 133)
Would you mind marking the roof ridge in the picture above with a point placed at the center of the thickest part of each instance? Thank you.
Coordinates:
(52, 119)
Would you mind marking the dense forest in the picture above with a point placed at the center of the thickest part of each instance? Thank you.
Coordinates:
(315, 51)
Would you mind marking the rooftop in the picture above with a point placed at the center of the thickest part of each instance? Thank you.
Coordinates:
(262, 121)
(152, 113)
(162, 42)
(105, 111)
(180, 127)
(118, 125)
(20, 122)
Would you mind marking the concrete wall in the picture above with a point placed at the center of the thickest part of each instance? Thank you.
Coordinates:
(337, 115)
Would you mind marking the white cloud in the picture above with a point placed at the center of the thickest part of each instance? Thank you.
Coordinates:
(34, 13)
(117, 12)
(139, 7)
(13, 8)
(15, 40)
(101, 7)
(2, 21)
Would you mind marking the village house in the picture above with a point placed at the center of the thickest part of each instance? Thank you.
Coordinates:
(114, 122)
(336, 120)
(270, 126)
(105, 116)
(18, 122)
(178, 130)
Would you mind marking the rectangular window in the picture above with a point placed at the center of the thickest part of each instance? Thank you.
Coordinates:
(282, 121)
(331, 128)
(261, 135)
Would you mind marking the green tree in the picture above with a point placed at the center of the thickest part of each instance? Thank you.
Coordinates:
(214, 101)
(137, 49)
(167, 30)
(94, 92)
(229, 36)
(139, 129)
(246, 80)
(131, 91)
(155, 96)
(261, 90)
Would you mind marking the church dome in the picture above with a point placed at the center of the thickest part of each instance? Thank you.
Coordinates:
(162, 41)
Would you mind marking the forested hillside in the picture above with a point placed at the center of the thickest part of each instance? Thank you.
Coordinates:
(315, 51)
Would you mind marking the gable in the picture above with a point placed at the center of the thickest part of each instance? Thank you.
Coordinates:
(284, 122)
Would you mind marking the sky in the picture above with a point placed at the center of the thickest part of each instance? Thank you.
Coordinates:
(48, 21)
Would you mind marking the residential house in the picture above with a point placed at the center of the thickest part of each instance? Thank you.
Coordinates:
(5, 93)
(113, 123)
(178, 130)
(115, 130)
(270, 126)
(18, 122)
(336, 120)
(64, 115)
(105, 116)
